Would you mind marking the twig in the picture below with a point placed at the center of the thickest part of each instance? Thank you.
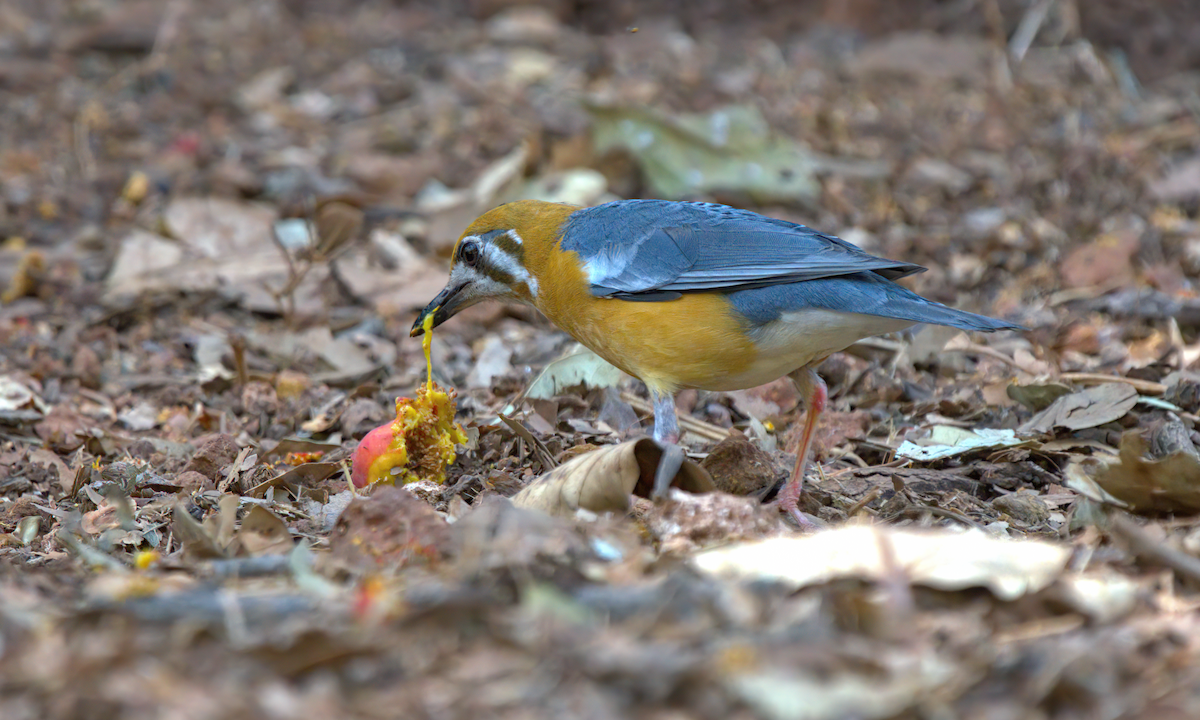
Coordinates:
(977, 349)
(537, 446)
(1027, 30)
(83, 149)
(1084, 293)
(845, 453)
(865, 501)
(941, 512)
(1144, 546)
(237, 343)
(285, 296)
(1145, 386)
(705, 430)
(890, 464)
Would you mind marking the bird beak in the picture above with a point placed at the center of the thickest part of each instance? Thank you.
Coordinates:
(443, 307)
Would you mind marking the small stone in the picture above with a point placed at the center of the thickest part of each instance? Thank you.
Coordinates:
(1023, 508)
(213, 457)
(524, 25)
(259, 397)
(739, 467)
(193, 482)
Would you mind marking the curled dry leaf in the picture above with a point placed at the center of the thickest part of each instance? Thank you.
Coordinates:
(1088, 408)
(942, 559)
(603, 480)
(1169, 485)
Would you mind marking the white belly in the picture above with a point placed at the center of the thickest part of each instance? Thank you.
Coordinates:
(802, 337)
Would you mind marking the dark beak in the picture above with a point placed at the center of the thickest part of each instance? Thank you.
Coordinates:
(443, 307)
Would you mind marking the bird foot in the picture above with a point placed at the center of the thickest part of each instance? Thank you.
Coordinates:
(668, 467)
(789, 499)
(788, 505)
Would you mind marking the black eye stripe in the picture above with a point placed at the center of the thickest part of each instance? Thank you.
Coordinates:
(506, 244)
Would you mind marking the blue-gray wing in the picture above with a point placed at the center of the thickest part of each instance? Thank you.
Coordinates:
(654, 249)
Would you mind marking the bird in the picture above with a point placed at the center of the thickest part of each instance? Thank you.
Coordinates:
(691, 295)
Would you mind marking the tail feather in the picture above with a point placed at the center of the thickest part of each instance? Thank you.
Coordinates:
(928, 311)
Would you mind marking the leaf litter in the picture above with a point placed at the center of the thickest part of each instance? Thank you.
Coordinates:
(207, 288)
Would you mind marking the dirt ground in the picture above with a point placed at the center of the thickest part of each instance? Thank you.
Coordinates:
(218, 220)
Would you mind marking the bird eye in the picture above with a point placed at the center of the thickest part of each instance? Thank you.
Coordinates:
(469, 252)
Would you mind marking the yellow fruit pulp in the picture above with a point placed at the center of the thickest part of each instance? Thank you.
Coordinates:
(424, 432)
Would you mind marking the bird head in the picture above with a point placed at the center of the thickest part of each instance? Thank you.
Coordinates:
(496, 257)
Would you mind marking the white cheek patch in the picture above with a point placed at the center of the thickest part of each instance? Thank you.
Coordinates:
(494, 257)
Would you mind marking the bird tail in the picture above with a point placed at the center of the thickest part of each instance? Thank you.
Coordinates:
(928, 311)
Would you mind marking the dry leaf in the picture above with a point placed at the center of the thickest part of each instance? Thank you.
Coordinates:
(603, 480)
(1169, 485)
(731, 149)
(264, 533)
(944, 560)
(295, 477)
(578, 366)
(947, 441)
(197, 542)
(337, 225)
(1088, 408)
(66, 478)
(1038, 396)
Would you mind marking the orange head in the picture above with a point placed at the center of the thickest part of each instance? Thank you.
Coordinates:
(498, 257)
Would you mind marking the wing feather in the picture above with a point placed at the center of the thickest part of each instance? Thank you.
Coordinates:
(631, 247)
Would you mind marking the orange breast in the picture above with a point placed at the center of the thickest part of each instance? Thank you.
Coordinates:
(696, 341)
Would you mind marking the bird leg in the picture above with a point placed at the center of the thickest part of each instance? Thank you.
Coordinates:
(812, 388)
(666, 433)
(666, 422)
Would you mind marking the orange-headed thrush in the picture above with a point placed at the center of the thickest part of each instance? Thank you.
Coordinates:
(691, 295)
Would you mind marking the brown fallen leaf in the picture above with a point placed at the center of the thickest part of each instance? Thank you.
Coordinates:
(1169, 485)
(1088, 408)
(42, 456)
(296, 477)
(603, 480)
(197, 541)
(263, 533)
(63, 430)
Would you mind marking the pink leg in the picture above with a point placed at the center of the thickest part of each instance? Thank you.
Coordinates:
(812, 389)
